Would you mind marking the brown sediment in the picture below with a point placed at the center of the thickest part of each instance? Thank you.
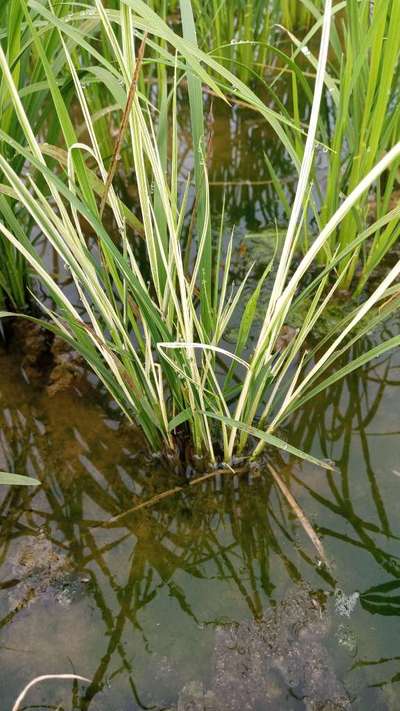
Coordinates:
(45, 358)
(67, 369)
(32, 343)
(285, 337)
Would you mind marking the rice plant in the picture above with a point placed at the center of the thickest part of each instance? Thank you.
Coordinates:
(297, 15)
(12, 265)
(241, 33)
(237, 33)
(361, 122)
(153, 329)
(29, 79)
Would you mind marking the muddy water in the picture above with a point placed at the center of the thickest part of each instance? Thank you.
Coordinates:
(214, 596)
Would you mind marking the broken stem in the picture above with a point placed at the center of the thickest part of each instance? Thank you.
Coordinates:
(124, 124)
(300, 515)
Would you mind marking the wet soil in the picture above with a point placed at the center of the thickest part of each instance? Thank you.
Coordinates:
(43, 572)
(264, 663)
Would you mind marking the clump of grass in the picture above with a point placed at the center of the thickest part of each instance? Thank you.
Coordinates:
(295, 15)
(13, 276)
(29, 79)
(153, 329)
(360, 124)
(240, 33)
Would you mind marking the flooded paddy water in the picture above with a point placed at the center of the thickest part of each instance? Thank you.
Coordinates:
(215, 597)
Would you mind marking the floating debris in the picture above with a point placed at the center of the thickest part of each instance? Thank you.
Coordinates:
(345, 603)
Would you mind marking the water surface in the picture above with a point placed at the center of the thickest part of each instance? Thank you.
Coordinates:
(137, 607)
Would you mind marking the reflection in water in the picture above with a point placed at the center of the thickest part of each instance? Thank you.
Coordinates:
(240, 144)
(355, 423)
(135, 607)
